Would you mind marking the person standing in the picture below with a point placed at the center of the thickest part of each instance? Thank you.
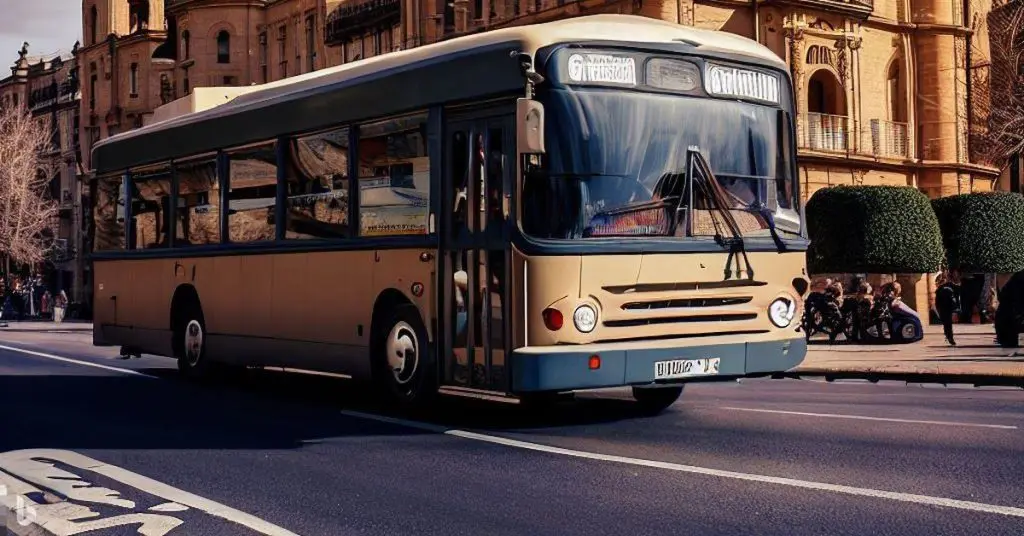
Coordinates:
(59, 306)
(947, 298)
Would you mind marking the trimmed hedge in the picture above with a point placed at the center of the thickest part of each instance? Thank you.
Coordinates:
(983, 232)
(872, 229)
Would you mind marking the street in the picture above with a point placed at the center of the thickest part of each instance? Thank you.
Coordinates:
(280, 453)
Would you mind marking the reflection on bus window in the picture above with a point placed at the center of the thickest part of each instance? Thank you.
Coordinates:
(317, 185)
(151, 197)
(198, 215)
(109, 234)
(394, 177)
(252, 194)
(623, 182)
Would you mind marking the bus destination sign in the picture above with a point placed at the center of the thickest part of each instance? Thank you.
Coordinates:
(602, 68)
(725, 81)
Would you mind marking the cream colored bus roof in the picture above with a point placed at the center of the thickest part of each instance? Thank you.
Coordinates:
(606, 27)
(530, 38)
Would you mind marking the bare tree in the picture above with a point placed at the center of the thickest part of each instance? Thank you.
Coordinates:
(1005, 133)
(27, 213)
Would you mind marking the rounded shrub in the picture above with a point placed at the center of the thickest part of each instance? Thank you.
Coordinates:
(872, 229)
(983, 232)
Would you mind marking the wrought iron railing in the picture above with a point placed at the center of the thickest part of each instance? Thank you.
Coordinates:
(890, 139)
(353, 17)
(824, 132)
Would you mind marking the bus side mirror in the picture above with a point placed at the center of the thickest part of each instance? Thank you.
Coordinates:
(529, 126)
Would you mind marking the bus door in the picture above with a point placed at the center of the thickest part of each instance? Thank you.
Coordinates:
(475, 252)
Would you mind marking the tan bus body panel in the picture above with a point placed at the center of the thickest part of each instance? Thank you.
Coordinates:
(306, 310)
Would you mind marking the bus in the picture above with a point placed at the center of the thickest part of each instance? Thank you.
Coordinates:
(606, 201)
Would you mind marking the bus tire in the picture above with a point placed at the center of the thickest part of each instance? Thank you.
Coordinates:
(654, 400)
(190, 344)
(404, 364)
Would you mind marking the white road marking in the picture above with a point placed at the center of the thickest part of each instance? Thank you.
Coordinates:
(75, 361)
(185, 498)
(866, 418)
(23, 472)
(805, 484)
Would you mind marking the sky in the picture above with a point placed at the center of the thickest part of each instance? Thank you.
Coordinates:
(47, 25)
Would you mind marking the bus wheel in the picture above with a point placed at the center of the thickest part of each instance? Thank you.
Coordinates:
(654, 400)
(191, 346)
(404, 360)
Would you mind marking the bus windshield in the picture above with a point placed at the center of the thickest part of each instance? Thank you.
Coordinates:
(612, 157)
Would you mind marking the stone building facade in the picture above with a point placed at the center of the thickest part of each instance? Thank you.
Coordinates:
(888, 92)
(48, 86)
(885, 92)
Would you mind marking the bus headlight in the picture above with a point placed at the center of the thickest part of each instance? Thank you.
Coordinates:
(585, 318)
(782, 311)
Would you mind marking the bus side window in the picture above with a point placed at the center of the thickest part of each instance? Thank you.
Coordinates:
(109, 214)
(197, 220)
(151, 196)
(317, 186)
(252, 194)
(394, 177)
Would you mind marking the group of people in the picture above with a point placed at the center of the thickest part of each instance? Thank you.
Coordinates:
(853, 314)
(28, 297)
(957, 298)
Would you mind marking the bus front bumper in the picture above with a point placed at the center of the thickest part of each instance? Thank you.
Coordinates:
(564, 368)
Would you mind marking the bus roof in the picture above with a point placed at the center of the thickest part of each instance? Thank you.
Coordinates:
(464, 67)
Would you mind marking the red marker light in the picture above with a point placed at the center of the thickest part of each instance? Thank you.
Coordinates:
(552, 319)
(595, 362)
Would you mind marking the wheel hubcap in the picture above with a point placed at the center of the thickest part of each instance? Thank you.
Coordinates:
(403, 352)
(193, 342)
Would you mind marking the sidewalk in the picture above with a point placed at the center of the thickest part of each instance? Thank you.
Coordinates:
(29, 326)
(975, 357)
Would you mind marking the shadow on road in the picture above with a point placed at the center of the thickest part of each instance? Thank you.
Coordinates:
(261, 409)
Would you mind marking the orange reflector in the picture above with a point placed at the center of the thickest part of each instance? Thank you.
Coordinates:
(595, 362)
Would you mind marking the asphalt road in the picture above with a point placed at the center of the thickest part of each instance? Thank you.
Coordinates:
(277, 453)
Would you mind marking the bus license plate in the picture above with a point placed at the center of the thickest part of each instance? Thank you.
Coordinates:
(681, 368)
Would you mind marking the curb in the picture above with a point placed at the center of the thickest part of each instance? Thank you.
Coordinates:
(977, 380)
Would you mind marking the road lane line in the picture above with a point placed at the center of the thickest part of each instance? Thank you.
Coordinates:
(805, 484)
(866, 418)
(76, 361)
(23, 471)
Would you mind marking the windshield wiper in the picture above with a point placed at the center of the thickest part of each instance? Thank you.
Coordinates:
(715, 197)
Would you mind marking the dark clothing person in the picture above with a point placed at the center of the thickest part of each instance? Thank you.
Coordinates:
(947, 301)
(970, 296)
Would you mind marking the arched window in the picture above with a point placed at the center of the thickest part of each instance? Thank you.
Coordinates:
(94, 25)
(223, 47)
(186, 49)
(826, 123)
(825, 95)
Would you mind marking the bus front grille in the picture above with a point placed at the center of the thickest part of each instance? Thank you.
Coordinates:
(723, 317)
(686, 302)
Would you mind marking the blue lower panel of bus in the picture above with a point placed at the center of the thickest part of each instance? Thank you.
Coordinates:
(566, 368)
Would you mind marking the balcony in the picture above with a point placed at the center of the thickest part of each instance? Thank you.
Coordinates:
(890, 139)
(839, 135)
(824, 132)
(355, 17)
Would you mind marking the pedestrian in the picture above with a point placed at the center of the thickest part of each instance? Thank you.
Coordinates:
(947, 300)
(45, 302)
(59, 306)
